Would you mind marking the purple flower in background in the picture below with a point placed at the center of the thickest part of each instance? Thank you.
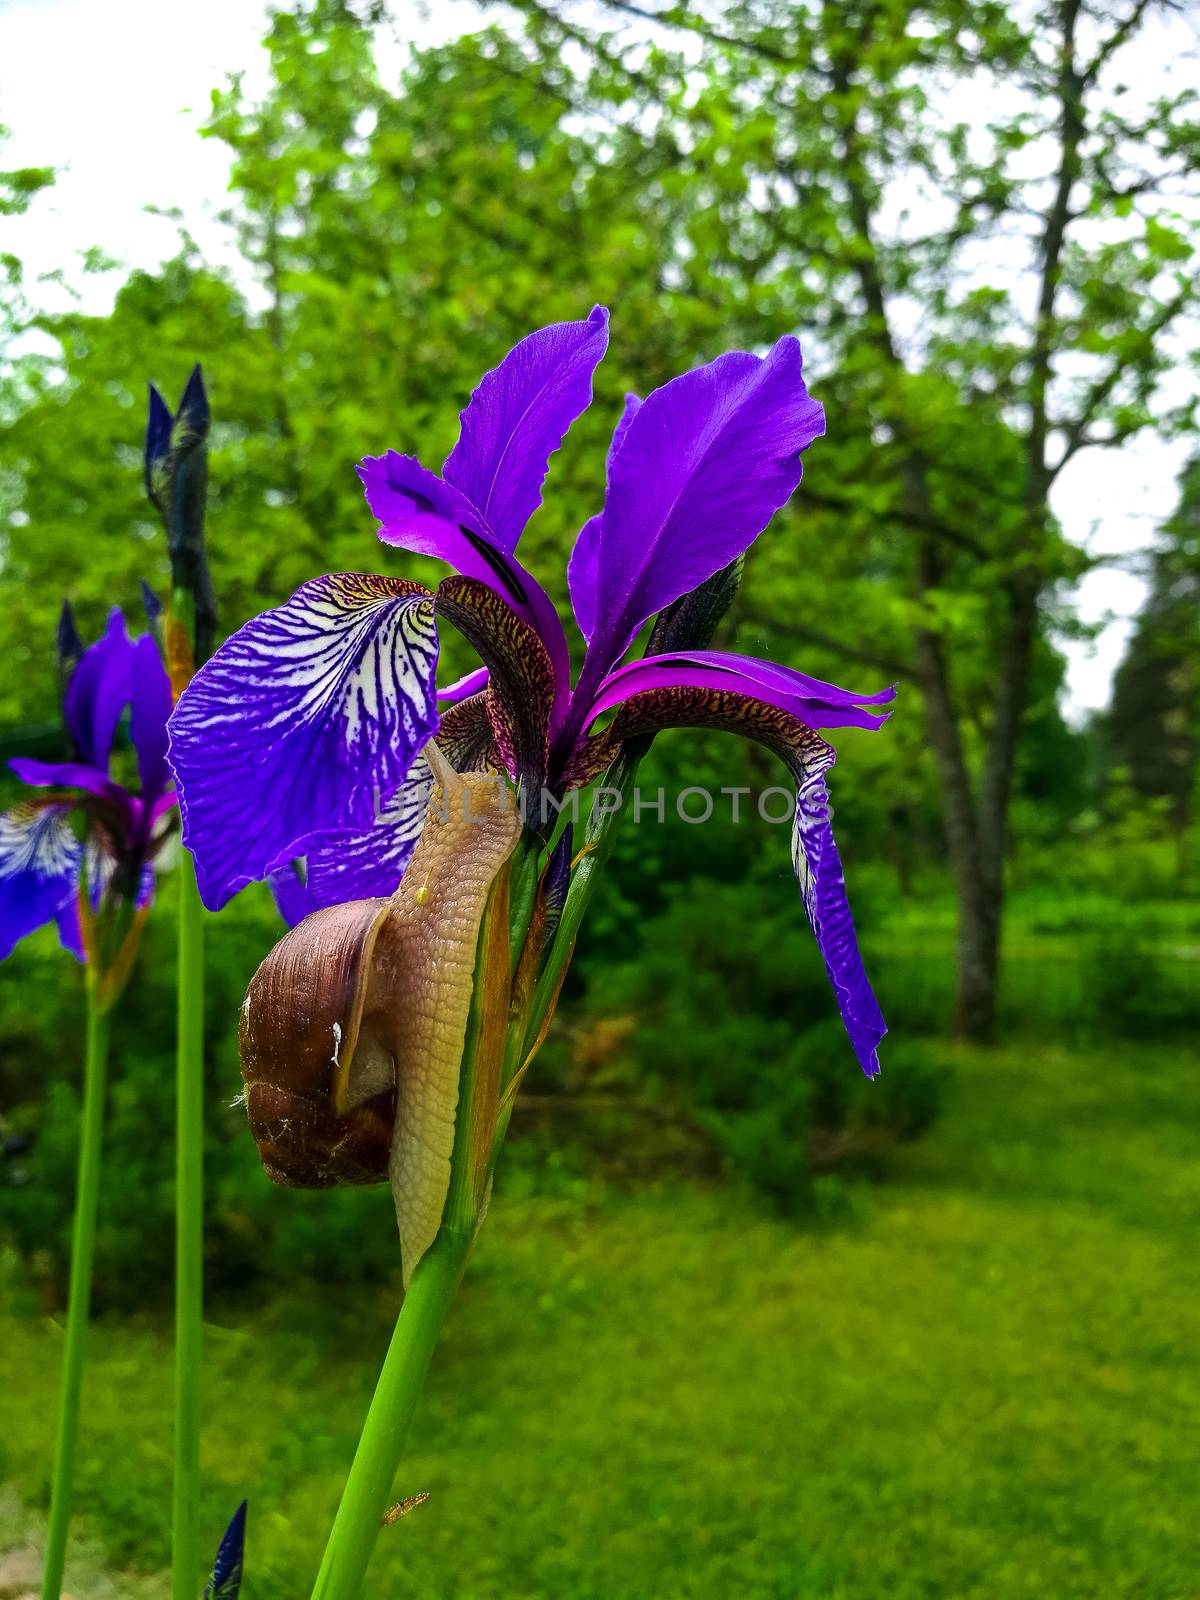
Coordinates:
(85, 835)
(286, 739)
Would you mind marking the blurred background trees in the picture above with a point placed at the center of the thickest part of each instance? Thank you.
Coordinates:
(981, 225)
(985, 241)
(981, 297)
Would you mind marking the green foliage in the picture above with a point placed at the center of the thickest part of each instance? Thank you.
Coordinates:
(721, 1010)
(1153, 726)
(980, 1388)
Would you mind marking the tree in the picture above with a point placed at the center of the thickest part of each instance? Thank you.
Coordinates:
(1153, 723)
(719, 180)
(840, 181)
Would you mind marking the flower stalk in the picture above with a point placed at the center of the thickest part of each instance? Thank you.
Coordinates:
(176, 476)
(427, 1300)
(108, 966)
(189, 1233)
(381, 1444)
(83, 1245)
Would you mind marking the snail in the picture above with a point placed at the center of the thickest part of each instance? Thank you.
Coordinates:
(353, 1027)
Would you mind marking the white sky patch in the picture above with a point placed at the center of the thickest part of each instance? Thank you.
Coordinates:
(114, 95)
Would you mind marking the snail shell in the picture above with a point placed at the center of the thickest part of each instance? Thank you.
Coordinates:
(301, 1019)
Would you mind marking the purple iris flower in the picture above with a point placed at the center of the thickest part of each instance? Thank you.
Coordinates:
(286, 740)
(88, 835)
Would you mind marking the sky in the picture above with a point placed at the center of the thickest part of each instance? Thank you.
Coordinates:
(118, 114)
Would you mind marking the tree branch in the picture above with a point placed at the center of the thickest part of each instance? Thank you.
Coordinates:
(1076, 431)
(1071, 130)
(1113, 43)
(701, 30)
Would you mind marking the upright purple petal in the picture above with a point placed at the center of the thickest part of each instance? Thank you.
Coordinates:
(300, 721)
(814, 854)
(99, 691)
(418, 512)
(704, 464)
(818, 704)
(151, 692)
(581, 567)
(518, 417)
(39, 871)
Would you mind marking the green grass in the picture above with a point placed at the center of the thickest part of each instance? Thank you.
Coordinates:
(981, 1383)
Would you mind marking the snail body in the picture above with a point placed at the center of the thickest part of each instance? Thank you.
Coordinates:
(353, 1028)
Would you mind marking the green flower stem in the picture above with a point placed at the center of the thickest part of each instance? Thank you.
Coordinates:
(599, 840)
(523, 891)
(426, 1302)
(83, 1243)
(189, 1235)
(365, 1497)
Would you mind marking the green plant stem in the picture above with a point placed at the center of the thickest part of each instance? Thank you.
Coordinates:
(83, 1243)
(365, 1497)
(601, 836)
(189, 1235)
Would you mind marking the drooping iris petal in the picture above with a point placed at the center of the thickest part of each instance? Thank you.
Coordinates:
(704, 464)
(300, 721)
(70, 930)
(463, 688)
(819, 704)
(99, 691)
(290, 889)
(581, 566)
(518, 417)
(39, 871)
(151, 707)
(814, 853)
(418, 511)
(69, 775)
(368, 862)
(521, 681)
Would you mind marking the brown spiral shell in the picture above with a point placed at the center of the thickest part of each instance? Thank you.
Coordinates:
(302, 1017)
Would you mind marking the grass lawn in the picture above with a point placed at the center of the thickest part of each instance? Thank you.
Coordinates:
(982, 1383)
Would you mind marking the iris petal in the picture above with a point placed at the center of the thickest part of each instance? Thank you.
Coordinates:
(99, 691)
(300, 721)
(150, 690)
(39, 872)
(518, 417)
(819, 704)
(368, 862)
(814, 854)
(521, 679)
(463, 688)
(419, 512)
(70, 775)
(703, 465)
(582, 565)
